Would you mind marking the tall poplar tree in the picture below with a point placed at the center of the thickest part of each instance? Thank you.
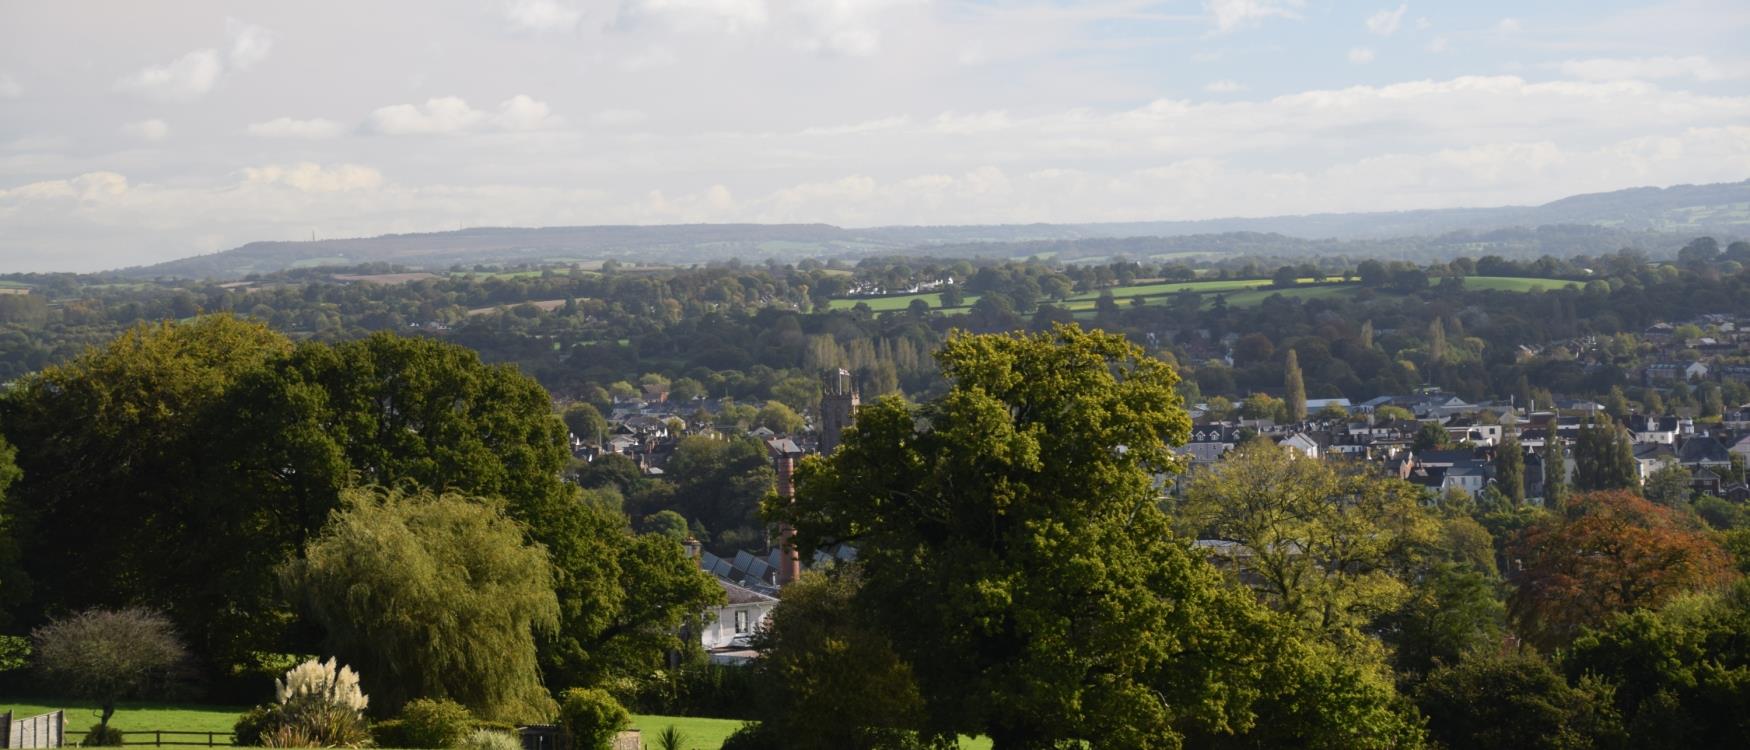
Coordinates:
(1604, 459)
(1436, 341)
(1510, 470)
(1555, 471)
(1296, 388)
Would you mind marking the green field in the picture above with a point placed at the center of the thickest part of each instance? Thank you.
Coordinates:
(901, 302)
(1238, 293)
(141, 717)
(1515, 283)
(889, 304)
(134, 716)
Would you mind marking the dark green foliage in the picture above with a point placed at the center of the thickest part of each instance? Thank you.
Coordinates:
(670, 739)
(1454, 610)
(120, 456)
(258, 721)
(592, 717)
(1604, 457)
(1681, 674)
(432, 723)
(1432, 437)
(1515, 702)
(753, 736)
(720, 483)
(1510, 470)
(828, 677)
(103, 735)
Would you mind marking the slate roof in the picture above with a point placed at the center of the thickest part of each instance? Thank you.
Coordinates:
(1703, 450)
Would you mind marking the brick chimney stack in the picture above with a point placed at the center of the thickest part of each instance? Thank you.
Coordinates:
(784, 455)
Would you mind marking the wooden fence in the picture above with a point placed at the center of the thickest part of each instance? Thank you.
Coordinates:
(164, 738)
(45, 730)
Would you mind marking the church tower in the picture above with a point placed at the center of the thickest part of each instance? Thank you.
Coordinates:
(838, 406)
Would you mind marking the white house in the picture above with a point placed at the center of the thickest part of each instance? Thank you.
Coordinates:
(728, 631)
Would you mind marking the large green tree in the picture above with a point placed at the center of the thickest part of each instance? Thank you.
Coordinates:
(432, 596)
(1014, 523)
(1332, 547)
(122, 500)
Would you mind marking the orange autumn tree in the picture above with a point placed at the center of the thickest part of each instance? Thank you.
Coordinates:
(1612, 551)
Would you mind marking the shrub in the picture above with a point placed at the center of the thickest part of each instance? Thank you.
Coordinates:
(390, 733)
(751, 736)
(319, 705)
(592, 717)
(102, 735)
(434, 723)
(488, 739)
(254, 723)
(670, 739)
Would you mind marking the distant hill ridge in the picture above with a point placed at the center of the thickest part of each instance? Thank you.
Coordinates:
(1621, 216)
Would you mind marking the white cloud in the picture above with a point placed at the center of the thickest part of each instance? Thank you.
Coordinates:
(1237, 14)
(1654, 68)
(10, 88)
(708, 16)
(1224, 86)
(542, 15)
(197, 73)
(189, 77)
(1438, 44)
(310, 177)
(521, 112)
(1423, 24)
(85, 187)
(286, 127)
(447, 114)
(147, 130)
(1509, 26)
(1360, 55)
(250, 44)
(1386, 22)
(450, 114)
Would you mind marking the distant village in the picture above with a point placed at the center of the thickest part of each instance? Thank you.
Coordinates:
(1382, 431)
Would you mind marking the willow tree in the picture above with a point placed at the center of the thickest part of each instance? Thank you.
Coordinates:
(432, 596)
(1012, 546)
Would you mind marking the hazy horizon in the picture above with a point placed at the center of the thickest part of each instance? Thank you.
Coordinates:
(132, 134)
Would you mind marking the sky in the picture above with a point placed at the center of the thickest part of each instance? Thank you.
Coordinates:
(133, 132)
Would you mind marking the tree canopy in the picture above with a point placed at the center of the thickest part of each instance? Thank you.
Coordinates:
(1014, 522)
(432, 596)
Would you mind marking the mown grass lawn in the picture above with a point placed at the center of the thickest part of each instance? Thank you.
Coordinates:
(134, 717)
(138, 718)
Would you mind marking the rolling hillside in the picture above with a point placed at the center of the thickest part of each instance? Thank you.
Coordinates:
(1656, 219)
